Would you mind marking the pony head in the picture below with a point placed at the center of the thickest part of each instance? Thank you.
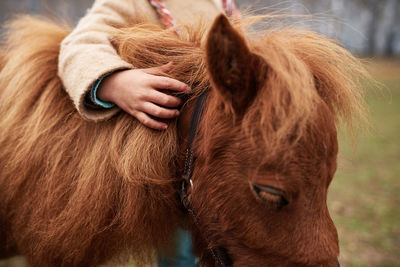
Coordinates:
(267, 145)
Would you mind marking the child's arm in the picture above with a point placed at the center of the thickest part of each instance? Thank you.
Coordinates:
(87, 54)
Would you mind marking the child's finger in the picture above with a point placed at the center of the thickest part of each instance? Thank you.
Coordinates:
(163, 99)
(159, 70)
(167, 67)
(169, 84)
(159, 112)
(149, 122)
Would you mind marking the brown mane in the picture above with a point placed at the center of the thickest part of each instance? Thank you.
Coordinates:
(97, 178)
(299, 61)
(94, 169)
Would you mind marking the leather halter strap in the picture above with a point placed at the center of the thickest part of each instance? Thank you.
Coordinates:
(219, 254)
(189, 158)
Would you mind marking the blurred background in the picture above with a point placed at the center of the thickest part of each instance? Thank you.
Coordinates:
(364, 198)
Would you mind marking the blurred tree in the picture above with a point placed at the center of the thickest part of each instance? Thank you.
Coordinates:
(375, 9)
(393, 29)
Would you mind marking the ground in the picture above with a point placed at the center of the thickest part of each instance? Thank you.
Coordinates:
(364, 198)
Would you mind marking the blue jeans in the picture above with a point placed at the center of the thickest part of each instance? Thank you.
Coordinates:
(184, 256)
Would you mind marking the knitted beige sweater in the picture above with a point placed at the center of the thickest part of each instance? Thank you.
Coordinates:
(87, 54)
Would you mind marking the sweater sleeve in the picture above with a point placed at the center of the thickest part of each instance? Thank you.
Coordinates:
(87, 54)
(92, 99)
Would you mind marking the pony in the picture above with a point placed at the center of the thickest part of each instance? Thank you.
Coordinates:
(79, 193)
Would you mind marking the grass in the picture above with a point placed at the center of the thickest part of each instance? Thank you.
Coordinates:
(364, 197)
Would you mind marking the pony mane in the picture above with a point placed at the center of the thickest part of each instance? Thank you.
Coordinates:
(304, 67)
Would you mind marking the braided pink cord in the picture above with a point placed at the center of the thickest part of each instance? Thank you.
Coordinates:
(165, 14)
(230, 8)
(169, 21)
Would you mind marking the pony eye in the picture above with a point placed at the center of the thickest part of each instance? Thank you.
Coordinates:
(271, 194)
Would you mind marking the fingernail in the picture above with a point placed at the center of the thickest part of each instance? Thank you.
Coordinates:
(177, 113)
(165, 127)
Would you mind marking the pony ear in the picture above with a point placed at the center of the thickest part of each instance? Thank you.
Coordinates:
(235, 71)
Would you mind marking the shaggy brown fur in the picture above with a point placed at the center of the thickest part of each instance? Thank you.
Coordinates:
(76, 193)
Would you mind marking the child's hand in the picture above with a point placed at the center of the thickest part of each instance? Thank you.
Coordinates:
(137, 93)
